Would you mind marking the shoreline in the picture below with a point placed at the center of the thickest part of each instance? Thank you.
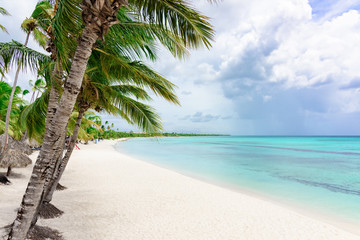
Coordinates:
(298, 208)
(113, 196)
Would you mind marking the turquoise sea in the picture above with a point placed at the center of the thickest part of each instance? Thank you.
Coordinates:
(319, 174)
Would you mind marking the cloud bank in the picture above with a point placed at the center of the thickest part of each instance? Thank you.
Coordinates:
(287, 67)
(281, 67)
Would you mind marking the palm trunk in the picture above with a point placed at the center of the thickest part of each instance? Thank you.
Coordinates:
(32, 97)
(97, 23)
(46, 210)
(52, 107)
(51, 147)
(65, 159)
(51, 110)
(6, 132)
(54, 95)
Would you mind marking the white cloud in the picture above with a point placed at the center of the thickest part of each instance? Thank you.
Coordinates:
(265, 49)
(316, 53)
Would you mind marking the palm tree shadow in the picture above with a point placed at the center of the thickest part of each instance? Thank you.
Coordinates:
(37, 233)
(14, 175)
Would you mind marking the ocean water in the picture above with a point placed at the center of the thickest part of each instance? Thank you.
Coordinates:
(320, 174)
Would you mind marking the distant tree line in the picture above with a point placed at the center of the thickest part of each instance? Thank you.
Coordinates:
(112, 134)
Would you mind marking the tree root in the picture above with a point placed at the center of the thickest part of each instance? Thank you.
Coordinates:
(60, 187)
(44, 233)
(48, 210)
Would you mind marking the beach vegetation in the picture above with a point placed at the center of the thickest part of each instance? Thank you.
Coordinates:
(112, 134)
(17, 104)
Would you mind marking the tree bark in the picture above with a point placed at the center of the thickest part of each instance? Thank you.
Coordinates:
(6, 132)
(58, 174)
(54, 95)
(98, 16)
(51, 147)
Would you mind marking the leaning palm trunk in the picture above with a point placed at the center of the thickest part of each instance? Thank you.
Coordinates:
(98, 16)
(45, 209)
(6, 132)
(54, 95)
(52, 107)
(58, 174)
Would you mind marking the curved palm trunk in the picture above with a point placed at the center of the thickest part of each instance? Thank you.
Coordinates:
(51, 147)
(52, 107)
(54, 95)
(97, 23)
(6, 132)
(58, 174)
(51, 110)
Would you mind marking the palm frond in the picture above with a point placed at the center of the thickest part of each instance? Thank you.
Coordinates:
(32, 117)
(22, 56)
(14, 128)
(3, 11)
(40, 37)
(178, 17)
(2, 28)
(66, 27)
(129, 32)
(86, 122)
(131, 90)
(139, 113)
(122, 70)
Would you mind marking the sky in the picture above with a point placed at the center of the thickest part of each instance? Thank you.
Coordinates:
(279, 67)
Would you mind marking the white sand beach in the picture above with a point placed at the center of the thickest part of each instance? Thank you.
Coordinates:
(113, 196)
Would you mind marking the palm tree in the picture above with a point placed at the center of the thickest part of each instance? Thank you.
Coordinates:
(14, 128)
(98, 16)
(28, 26)
(99, 92)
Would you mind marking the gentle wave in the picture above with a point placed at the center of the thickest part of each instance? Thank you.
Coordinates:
(302, 150)
(331, 187)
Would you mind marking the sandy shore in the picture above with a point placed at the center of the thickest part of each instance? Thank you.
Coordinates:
(113, 196)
